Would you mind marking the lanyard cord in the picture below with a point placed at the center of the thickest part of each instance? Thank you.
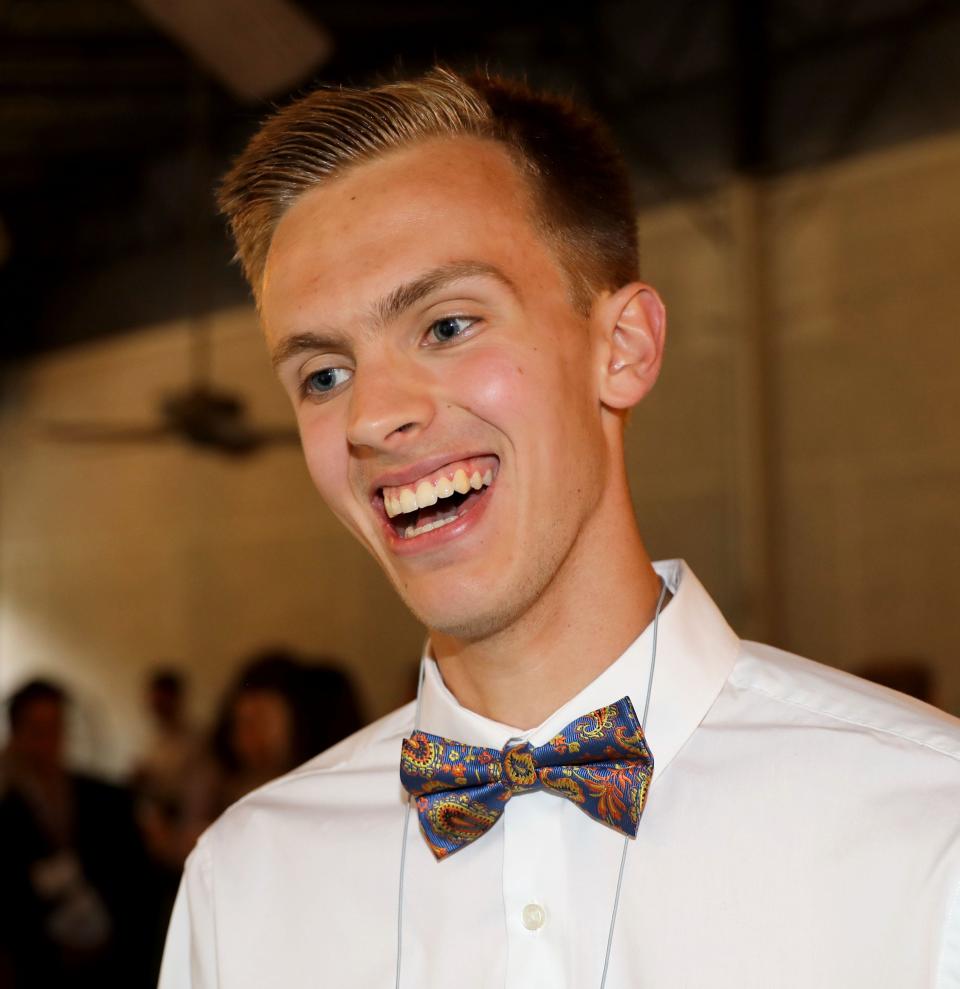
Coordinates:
(626, 841)
(406, 825)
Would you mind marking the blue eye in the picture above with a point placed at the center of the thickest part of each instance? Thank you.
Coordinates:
(325, 380)
(450, 327)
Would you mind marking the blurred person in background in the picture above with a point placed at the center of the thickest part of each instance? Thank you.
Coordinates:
(278, 713)
(159, 781)
(75, 891)
(258, 734)
(331, 708)
(159, 777)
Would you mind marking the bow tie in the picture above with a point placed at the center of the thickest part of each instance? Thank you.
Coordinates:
(600, 761)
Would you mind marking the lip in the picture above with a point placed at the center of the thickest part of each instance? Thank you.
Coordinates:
(437, 538)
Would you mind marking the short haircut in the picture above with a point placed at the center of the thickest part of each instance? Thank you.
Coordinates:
(580, 185)
(29, 693)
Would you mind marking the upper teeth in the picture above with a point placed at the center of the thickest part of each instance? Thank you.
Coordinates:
(397, 501)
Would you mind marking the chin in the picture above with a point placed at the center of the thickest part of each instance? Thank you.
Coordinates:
(472, 606)
(475, 616)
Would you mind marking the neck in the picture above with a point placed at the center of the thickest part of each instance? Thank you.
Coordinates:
(604, 595)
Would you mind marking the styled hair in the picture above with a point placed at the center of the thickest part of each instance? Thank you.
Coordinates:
(168, 680)
(580, 186)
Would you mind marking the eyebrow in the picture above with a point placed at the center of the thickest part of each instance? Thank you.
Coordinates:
(393, 305)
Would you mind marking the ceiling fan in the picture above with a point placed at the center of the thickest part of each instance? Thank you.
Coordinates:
(199, 414)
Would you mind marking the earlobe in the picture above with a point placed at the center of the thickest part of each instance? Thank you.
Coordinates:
(633, 325)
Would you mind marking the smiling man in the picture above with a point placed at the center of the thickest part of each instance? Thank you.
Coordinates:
(446, 272)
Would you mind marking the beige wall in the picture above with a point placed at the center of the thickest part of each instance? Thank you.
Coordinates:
(116, 556)
(112, 557)
(867, 309)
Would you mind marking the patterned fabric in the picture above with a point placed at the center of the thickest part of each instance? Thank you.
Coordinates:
(600, 761)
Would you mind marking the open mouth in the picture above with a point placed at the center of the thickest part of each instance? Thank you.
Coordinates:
(439, 498)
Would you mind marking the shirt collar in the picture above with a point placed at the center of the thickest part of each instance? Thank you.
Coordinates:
(696, 651)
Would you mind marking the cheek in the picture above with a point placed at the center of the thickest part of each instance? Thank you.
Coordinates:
(325, 452)
(492, 385)
(536, 389)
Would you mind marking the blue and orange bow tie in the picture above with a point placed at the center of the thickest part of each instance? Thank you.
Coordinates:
(600, 761)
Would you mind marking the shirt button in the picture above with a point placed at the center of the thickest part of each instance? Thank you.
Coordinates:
(533, 916)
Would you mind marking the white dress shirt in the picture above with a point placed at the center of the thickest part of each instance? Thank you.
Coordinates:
(802, 830)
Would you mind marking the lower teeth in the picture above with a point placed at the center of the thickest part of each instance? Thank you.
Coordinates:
(412, 531)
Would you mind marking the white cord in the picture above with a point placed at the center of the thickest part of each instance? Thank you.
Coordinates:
(626, 841)
(406, 827)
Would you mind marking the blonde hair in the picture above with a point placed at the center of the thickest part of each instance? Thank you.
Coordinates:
(579, 182)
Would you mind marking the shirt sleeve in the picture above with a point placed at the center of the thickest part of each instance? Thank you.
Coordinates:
(948, 972)
(189, 956)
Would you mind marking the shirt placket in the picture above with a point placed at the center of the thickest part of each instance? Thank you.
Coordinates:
(534, 898)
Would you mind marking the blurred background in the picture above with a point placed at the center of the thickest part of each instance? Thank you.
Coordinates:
(797, 168)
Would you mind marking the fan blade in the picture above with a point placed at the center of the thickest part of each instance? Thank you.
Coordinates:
(91, 432)
(256, 48)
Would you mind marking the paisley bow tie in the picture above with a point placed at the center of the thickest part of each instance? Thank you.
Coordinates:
(600, 761)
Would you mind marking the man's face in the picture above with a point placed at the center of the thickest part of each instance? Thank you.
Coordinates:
(39, 733)
(445, 387)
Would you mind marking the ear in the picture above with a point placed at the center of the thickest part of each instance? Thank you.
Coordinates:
(631, 324)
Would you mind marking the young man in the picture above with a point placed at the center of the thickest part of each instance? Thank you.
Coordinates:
(447, 277)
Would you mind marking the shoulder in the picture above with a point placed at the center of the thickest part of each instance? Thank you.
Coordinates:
(836, 762)
(820, 696)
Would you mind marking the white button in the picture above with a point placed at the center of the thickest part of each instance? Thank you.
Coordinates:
(533, 916)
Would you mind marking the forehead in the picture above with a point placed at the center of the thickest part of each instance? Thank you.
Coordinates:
(384, 222)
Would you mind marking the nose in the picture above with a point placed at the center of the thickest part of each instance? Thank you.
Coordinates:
(390, 402)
